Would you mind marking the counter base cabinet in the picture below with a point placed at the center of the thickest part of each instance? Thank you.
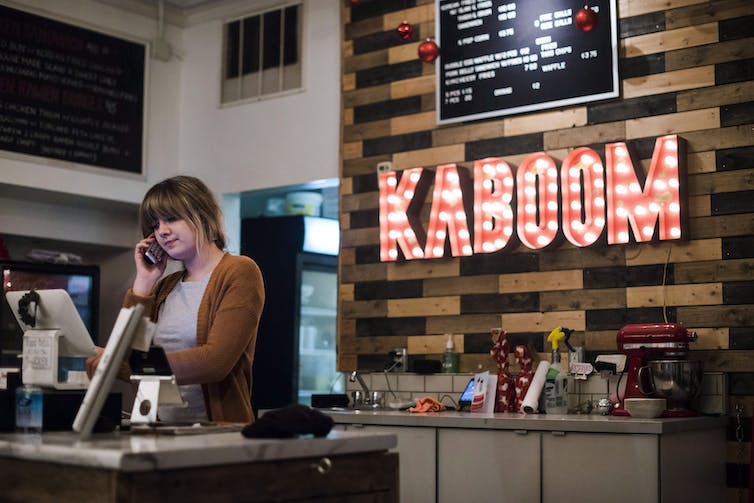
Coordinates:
(416, 448)
(370, 477)
(684, 466)
(484, 465)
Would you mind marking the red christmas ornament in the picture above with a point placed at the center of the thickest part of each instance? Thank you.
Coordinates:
(586, 19)
(428, 51)
(405, 30)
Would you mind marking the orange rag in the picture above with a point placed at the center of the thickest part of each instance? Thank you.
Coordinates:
(427, 404)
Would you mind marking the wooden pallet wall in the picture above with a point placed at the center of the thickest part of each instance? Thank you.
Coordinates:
(687, 68)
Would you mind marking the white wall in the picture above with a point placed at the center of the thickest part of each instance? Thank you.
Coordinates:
(272, 142)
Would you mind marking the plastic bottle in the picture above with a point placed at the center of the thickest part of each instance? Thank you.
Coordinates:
(556, 381)
(29, 409)
(450, 357)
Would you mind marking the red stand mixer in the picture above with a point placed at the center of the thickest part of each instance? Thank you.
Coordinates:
(658, 366)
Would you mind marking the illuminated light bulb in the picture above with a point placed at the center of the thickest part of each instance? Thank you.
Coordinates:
(590, 237)
(621, 167)
(584, 159)
(575, 205)
(463, 234)
(542, 240)
(531, 227)
(508, 213)
(634, 187)
(623, 237)
(507, 197)
(487, 246)
(577, 225)
(460, 215)
(392, 181)
(654, 207)
(451, 176)
(394, 234)
(620, 189)
(599, 222)
(499, 243)
(418, 252)
(486, 206)
(530, 191)
(621, 151)
(508, 230)
(552, 188)
(488, 169)
(575, 187)
(458, 193)
(640, 210)
(529, 177)
(437, 251)
(497, 207)
(393, 199)
(552, 172)
(444, 216)
(675, 232)
(487, 184)
(508, 181)
(573, 172)
(621, 212)
(414, 177)
(671, 161)
(409, 233)
(671, 145)
(674, 207)
(660, 185)
(599, 183)
(552, 205)
(530, 208)
(599, 202)
(673, 183)
(552, 225)
(393, 253)
(392, 217)
(440, 235)
(466, 249)
(597, 167)
(647, 230)
(487, 225)
(408, 194)
(540, 163)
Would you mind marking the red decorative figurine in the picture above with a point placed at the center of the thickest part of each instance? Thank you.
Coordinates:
(586, 19)
(524, 377)
(405, 30)
(428, 51)
(505, 383)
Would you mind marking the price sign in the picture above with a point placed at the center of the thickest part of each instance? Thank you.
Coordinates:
(501, 57)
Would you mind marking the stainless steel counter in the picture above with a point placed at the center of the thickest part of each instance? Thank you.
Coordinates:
(543, 422)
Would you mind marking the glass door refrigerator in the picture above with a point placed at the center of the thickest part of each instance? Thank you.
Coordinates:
(295, 354)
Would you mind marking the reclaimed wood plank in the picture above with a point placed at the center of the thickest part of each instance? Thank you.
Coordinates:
(713, 139)
(428, 157)
(415, 15)
(362, 201)
(365, 130)
(425, 306)
(424, 84)
(678, 80)
(706, 12)
(381, 344)
(543, 321)
(629, 8)
(353, 97)
(364, 165)
(677, 123)
(708, 271)
(432, 344)
(411, 123)
(541, 281)
(359, 237)
(717, 316)
(363, 308)
(675, 295)
(579, 258)
(700, 162)
(353, 64)
(669, 40)
(545, 121)
(723, 52)
(352, 150)
(363, 272)
(461, 285)
(419, 269)
(574, 300)
(464, 323)
(449, 135)
(585, 135)
(720, 182)
(673, 252)
(699, 206)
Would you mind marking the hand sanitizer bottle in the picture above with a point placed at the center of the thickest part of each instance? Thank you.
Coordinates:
(450, 357)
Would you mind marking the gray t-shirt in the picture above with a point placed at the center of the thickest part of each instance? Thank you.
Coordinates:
(176, 330)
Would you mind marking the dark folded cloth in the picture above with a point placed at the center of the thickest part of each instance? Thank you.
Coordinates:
(288, 422)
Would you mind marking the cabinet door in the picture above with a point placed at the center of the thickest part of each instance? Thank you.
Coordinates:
(416, 460)
(488, 465)
(587, 466)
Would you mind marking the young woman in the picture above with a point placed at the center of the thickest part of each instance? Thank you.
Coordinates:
(206, 314)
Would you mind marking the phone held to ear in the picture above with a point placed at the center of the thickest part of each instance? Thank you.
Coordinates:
(154, 253)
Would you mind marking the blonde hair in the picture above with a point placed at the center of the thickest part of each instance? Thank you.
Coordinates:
(186, 198)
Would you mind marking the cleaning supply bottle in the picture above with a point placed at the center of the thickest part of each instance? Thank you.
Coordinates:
(556, 381)
(450, 357)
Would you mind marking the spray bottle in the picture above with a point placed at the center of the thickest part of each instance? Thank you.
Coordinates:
(450, 357)
(556, 381)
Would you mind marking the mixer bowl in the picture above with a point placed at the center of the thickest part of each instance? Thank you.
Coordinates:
(677, 380)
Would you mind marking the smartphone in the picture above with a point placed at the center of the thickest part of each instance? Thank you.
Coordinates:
(468, 394)
(154, 253)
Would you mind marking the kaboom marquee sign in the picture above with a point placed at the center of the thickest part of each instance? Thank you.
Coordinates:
(584, 197)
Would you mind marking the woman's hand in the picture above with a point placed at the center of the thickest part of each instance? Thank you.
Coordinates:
(93, 361)
(147, 274)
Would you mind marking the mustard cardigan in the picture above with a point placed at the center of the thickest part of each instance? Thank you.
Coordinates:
(226, 333)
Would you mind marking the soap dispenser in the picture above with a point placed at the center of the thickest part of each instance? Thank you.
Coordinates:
(450, 357)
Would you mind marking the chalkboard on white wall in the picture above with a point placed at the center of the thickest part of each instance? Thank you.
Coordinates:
(502, 57)
(70, 94)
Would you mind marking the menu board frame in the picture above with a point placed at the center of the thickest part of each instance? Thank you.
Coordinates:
(488, 109)
(73, 95)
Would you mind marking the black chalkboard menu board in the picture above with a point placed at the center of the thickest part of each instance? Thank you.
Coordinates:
(69, 93)
(502, 57)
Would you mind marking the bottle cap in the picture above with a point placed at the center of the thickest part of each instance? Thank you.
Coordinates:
(449, 344)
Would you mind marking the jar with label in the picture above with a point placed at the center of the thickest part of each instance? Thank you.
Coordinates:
(29, 409)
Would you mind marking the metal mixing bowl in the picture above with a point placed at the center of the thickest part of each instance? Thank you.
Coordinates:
(676, 380)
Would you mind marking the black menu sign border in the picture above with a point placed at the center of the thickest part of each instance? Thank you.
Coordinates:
(71, 95)
(500, 58)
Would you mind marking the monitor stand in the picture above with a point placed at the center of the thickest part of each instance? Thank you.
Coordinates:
(153, 391)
